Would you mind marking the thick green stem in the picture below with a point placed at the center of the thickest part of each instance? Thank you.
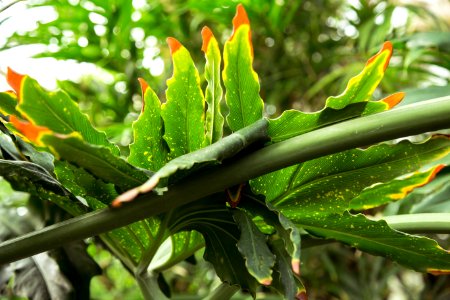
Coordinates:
(223, 292)
(408, 120)
(420, 223)
(148, 284)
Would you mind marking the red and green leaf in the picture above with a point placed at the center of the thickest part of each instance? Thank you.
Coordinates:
(52, 110)
(394, 190)
(353, 102)
(213, 93)
(328, 184)
(183, 113)
(240, 80)
(149, 150)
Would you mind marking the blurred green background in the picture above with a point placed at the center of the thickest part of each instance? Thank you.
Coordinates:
(305, 51)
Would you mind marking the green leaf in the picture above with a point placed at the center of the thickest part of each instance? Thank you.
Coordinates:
(327, 184)
(215, 222)
(98, 160)
(81, 183)
(392, 191)
(285, 280)
(28, 174)
(8, 102)
(353, 102)
(361, 87)
(287, 230)
(35, 180)
(240, 80)
(376, 237)
(181, 245)
(57, 112)
(213, 93)
(252, 244)
(183, 112)
(149, 150)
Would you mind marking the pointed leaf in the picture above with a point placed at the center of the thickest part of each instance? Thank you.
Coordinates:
(393, 190)
(376, 237)
(252, 244)
(293, 122)
(98, 160)
(287, 230)
(213, 94)
(361, 87)
(57, 112)
(183, 113)
(240, 80)
(149, 150)
(8, 102)
(285, 280)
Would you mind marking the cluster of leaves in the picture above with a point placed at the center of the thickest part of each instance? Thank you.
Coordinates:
(255, 239)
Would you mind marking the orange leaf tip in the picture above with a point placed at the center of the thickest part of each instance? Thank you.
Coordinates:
(29, 130)
(14, 79)
(394, 99)
(206, 36)
(240, 19)
(437, 272)
(144, 87)
(174, 45)
(387, 46)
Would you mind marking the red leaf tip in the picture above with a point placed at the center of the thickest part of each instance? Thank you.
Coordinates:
(206, 36)
(387, 46)
(174, 45)
(14, 79)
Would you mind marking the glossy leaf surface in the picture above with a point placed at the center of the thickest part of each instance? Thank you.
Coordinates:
(328, 184)
(149, 150)
(100, 161)
(252, 244)
(353, 102)
(183, 113)
(57, 112)
(376, 237)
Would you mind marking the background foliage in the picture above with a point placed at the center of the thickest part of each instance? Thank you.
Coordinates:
(305, 51)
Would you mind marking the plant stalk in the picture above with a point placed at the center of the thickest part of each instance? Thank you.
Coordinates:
(420, 223)
(408, 120)
(223, 292)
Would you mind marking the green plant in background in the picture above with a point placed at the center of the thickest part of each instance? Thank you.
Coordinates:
(196, 189)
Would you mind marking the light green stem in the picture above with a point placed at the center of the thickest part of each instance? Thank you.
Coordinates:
(223, 292)
(149, 287)
(408, 120)
(420, 223)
